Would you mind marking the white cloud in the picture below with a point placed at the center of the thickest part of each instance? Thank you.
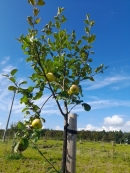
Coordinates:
(58, 128)
(21, 59)
(90, 127)
(116, 88)
(98, 104)
(100, 82)
(114, 123)
(7, 69)
(17, 107)
(102, 103)
(50, 108)
(5, 60)
(43, 127)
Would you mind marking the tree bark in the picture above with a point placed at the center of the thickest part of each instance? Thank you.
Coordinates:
(64, 145)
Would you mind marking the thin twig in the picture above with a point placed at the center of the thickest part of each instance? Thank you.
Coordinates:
(72, 108)
(46, 101)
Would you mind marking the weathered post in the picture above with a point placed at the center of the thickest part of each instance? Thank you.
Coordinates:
(3, 140)
(71, 143)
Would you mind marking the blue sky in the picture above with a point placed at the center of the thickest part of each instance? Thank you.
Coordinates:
(109, 95)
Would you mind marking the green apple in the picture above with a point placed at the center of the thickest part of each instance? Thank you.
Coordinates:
(36, 123)
(50, 77)
(21, 145)
(74, 89)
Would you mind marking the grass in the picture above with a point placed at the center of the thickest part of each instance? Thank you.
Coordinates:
(92, 157)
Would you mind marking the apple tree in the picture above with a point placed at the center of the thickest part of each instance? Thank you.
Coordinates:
(60, 62)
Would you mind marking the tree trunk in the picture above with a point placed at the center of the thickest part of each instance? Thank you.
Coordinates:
(64, 144)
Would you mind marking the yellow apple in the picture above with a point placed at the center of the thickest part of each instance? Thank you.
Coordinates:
(69, 92)
(74, 89)
(36, 123)
(50, 77)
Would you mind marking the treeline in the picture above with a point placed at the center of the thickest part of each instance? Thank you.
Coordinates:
(117, 136)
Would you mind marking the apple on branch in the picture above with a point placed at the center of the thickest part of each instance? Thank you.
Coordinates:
(69, 92)
(36, 124)
(74, 89)
(50, 77)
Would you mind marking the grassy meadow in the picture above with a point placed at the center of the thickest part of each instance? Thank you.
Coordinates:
(92, 157)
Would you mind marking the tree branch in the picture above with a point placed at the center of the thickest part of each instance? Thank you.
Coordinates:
(50, 86)
(45, 102)
(72, 108)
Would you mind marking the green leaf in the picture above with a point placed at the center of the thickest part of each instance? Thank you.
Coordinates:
(87, 30)
(36, 11)
(63, 19)
(30, 88)
(78, 101)
(57, 25)
(35, 108)
(37, 20)
(36, 135)
(85, 38)
(38, 95)
(40, 3)
(90, 60)
(92, 23)
(87, 16)
(86, 106)
(56, 17)
(91, 78)
(87, 22)
(98, 68)
(32, 2)
(25, 109)
(63, 94)
(30, 20)
(79, 42)
(27, 113)
(21, 126)
(92, 52)
(56, 36)
(12, 79)
(24, 82)
(59, 11)
(12, 88)
(43, 120)
(24, 99)
(91, 38)
(13, 72)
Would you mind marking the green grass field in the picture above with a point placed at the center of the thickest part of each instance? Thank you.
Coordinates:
(92, 157)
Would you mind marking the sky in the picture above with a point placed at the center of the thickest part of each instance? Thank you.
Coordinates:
(109, 95)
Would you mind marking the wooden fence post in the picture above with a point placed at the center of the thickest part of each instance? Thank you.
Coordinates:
(71, 144)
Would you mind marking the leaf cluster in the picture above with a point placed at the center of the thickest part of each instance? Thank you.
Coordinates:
(60, 53)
